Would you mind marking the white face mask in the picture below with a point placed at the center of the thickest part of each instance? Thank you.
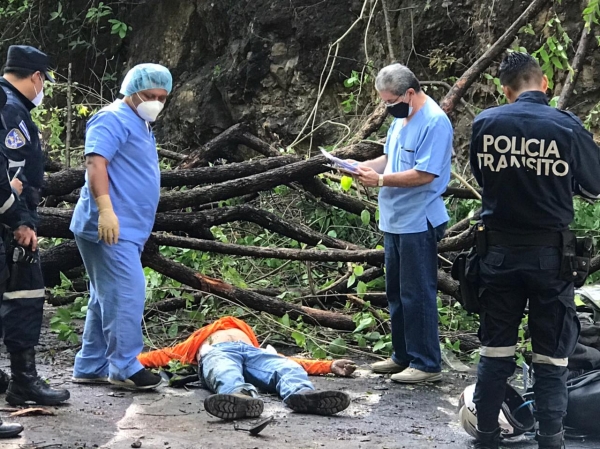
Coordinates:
(39, 97)
(149, 110)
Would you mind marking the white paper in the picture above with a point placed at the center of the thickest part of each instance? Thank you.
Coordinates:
(340, 163)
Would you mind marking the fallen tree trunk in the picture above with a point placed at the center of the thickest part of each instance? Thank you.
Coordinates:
(187, 276)
(264, 181)
(235, 135)
(55, 223)
(370, 256)
(66, 181)
(60, 258)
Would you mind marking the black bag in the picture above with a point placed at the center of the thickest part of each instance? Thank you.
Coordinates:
(465, 270)
(576, 256)
(584, 402)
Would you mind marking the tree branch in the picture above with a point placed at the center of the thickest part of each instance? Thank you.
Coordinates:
(472, 73)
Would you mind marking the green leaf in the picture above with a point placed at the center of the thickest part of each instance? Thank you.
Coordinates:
(346, 182)
(285, 320)
(359, 270)
(299, 338)
(318, 353)
(379, 345)
(544, 55)
(172, 331)
(365, 323)
(361, 288)
(338, 346)
(351, 281)
(557, 62)
(365, 217)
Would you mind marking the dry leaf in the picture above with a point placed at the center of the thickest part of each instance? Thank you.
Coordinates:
(33, 412)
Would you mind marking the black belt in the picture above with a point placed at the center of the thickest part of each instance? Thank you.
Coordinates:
(540, 239)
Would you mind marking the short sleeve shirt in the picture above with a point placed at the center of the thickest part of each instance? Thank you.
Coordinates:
(424, 144)
(127, 142)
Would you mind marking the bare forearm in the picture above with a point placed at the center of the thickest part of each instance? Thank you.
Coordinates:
(408, 178)
(377, 164)
(97, 175)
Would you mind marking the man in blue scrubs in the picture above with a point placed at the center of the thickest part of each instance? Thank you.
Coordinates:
(412, 175)
(112, 221)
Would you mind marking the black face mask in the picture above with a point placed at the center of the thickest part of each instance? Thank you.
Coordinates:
(399, 110)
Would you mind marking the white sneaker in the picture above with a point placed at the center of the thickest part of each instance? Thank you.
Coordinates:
(415, 376)
(89, 380)
(388, 366)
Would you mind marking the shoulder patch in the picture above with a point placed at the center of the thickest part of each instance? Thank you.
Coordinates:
(15, 139)
(23, 127)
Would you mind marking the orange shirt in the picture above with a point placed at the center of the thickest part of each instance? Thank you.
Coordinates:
(187, 351)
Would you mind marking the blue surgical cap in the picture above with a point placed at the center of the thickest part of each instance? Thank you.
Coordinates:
(147, 76)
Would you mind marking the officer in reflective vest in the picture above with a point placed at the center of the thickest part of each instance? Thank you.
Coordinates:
(529, 158)
(25, 71)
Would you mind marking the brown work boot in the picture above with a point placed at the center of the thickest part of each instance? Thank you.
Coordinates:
(318, 402)
(233, 406)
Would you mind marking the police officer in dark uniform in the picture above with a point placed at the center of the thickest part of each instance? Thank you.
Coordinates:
(21, 311)
(529, 158)
(13, 214)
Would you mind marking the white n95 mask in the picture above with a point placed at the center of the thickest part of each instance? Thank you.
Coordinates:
(149, 110)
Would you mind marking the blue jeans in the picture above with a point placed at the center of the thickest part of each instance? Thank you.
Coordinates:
(411, 288)
(112, 335)
(231, 367)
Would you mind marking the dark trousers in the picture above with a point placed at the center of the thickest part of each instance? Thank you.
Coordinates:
(22, 306)
(411, 289)
(509, 278)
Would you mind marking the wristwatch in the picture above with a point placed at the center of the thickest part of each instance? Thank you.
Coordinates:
(380, 181)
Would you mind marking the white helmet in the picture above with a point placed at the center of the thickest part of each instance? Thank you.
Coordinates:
(515, 417)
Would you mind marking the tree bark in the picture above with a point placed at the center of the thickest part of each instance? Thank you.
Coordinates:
(577, 65)
(187, 276)
(372, 257)
(59, 259)
(55, 222)
(237, 134)
(263, 181)
(472, 73)
(66, 181)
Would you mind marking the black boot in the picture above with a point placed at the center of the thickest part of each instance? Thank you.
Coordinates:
(26, 386)
(556, 441)
(487, 440)
(4, 380)
(10, 430)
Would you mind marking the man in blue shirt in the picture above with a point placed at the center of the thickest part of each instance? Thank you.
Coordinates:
(112, 221)
(412, 175)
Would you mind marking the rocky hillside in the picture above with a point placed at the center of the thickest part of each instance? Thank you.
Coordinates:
(265, 61)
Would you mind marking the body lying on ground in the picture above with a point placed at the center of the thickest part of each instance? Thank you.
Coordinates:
(234, 367)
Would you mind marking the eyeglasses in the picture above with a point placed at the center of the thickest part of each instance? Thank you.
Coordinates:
(397, 101)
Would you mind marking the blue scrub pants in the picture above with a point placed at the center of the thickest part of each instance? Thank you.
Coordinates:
(231, 367)
(112, 336)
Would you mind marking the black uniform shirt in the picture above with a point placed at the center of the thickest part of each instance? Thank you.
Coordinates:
(529, 158)
(20, 142)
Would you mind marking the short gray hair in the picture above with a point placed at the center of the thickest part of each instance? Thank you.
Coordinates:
(397, 79)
